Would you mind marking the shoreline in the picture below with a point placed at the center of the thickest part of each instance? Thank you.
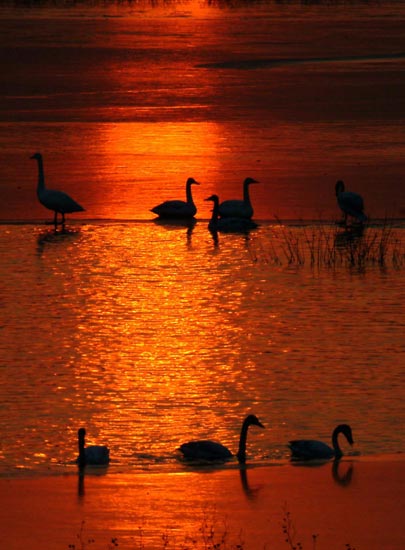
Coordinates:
(358, 501)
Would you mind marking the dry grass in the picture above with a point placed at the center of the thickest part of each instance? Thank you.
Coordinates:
(330, 246)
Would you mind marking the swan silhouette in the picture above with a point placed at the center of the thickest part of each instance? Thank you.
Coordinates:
(57, 201)
(178, 208)
(351, 204)
(236, 225)
(207, 450)
(93, 455)
(238, 208)
(307, 449)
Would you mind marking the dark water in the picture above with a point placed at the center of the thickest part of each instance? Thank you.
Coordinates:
(126, 101)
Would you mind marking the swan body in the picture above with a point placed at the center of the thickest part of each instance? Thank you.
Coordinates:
(206, 450)
(238, 208)
(93, 455)
(57, 201)
(227, 225)
(351, 204)
(307, 449)
(177, 208)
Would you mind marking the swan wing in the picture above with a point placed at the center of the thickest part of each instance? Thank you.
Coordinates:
(205, 450)
(307, 449)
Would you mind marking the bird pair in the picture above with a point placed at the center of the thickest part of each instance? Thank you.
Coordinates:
(301, 449)
(175, 209)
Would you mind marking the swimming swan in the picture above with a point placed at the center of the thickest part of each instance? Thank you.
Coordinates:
(350, 203)
(307, 449)
(211, 450)
(57, 201)
(94, 455)
(238, 208)
(236, 225)
(177, 208)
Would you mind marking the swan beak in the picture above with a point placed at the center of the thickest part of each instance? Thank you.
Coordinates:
(260, 425)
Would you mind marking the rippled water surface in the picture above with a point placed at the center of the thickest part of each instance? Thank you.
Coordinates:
(150, 335)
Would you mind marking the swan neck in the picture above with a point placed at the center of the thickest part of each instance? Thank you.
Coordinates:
(215, 212)
(189, 195)
(335, 443)
(246, 196)
(82, 453)
(41, 177)
(242, 443)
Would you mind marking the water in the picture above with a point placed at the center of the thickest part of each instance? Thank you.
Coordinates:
(150, 335)
(126, 101)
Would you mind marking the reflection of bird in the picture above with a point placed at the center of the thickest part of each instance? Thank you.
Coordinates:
(227, 224)
(350, 203)
(177, 208)
(94, 455)
(238, 208)
(57, 201)
(307, 449)
(211, 450)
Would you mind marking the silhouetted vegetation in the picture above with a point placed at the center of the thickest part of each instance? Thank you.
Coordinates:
(322, 246)
(212, 535)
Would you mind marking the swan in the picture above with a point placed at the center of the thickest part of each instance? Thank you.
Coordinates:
(227, 224)
(177, 208)
(94, 455)
(213, 451)
(238, 208)
(307, 449)
(350, 203)
(57, 201)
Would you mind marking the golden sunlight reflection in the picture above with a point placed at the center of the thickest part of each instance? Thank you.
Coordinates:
(154, 168)
(150, 337)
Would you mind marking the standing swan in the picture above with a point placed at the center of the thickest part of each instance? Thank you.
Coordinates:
(94, 455)
(57, 201)
(177, 208)
(350, 203)
(211, 450)
(230, 225)
(238, 208)
(307, 449)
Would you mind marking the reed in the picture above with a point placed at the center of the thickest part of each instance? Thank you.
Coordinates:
(326, 246)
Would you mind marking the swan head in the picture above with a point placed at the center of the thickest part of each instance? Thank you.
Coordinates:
(339, 187)
(36, 156)
(192, 181)
(346, 430)
(249, 181)
(252, 420)
(213, 198)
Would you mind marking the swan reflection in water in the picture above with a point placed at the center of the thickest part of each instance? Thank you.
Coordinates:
(250, 492)
(55, 237)
(341, 469)
(350, 237)
(342, 478)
